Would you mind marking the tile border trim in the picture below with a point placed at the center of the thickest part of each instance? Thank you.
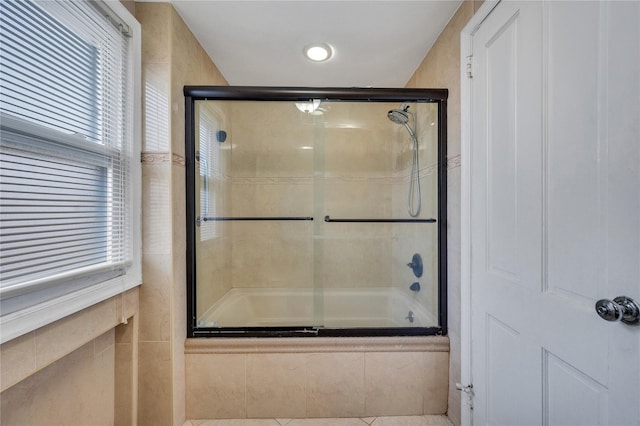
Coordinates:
(161, 158)
(454, 162)
(316, 345)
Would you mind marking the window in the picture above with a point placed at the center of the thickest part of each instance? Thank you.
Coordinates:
(69, 159)
(210, 173)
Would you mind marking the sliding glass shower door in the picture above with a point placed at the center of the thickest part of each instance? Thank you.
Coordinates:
(254, 224)
(315, 215)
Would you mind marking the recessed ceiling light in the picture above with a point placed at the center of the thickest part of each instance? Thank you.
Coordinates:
(318, 52)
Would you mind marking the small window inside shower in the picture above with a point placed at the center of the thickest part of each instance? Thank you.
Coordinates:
(210, 171)
(327, 220)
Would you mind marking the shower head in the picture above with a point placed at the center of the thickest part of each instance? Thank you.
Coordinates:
(401, 116)
(398, 116)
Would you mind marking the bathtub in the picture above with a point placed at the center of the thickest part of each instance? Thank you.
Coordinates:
(329, 308)
(302, 377)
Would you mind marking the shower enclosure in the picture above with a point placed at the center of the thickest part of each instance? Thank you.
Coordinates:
(315, 211)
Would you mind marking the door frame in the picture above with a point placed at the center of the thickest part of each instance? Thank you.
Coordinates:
(466, 56)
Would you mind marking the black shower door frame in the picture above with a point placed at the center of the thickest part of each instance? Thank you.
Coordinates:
(305, 94)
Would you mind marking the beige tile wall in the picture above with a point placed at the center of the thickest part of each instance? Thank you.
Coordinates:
(441, 68)
(270, 175)
(164, 39)
(155, 396)
(316, 377)
(126, 374)
(214, 270)
(221, 390)
(76, 388)
(70, 371)
(171, 58)
(365, 161)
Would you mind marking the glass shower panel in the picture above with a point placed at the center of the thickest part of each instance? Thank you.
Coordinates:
(212, 237)
(254, 204)
(315, 216)
(368, 236)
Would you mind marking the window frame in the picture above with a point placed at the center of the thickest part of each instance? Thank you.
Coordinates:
(49, 309)
(208, 175)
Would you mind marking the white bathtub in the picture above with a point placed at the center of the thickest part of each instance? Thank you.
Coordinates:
(331, 308)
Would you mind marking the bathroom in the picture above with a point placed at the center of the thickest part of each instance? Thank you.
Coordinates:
(144, 329)
(123, 360)
(129, 359)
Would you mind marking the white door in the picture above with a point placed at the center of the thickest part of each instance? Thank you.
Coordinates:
(553, 194)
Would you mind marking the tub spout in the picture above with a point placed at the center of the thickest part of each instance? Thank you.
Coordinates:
(415, 287)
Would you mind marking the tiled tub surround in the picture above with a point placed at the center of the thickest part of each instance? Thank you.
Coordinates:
(351, 162)
(81, 369)
(316, 377)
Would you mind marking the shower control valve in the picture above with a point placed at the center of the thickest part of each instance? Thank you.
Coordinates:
(416, 265)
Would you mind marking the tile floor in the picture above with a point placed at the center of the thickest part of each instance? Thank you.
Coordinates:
(372, 421)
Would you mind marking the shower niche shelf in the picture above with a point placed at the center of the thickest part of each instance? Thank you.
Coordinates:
(358, 151)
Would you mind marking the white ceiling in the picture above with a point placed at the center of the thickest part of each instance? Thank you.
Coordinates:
(377, 43)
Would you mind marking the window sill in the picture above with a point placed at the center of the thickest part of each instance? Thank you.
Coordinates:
(29, 319)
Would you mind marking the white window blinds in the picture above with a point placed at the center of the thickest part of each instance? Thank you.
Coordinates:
(210, 174)
(66, 148)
